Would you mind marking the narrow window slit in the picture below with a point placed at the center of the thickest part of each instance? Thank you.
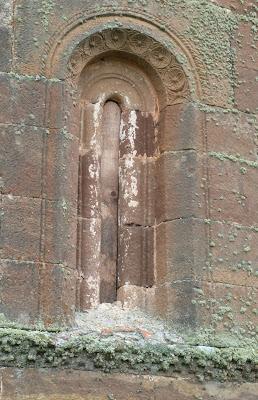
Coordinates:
(116, 213)
(109, 183)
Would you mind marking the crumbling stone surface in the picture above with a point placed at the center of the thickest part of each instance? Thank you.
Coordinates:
(195, 164)
(49, 384)
(184, 76)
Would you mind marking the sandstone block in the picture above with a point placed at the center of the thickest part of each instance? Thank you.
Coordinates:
(232, 134)
(57, 295)
(28, 100)
(61, 176)
(235, 309)
(237, 6)
(179, 191)
(66, 384)
(246, 92)
(60, 233)
(5, 50)
(181, 251)
(21, 159)
(22, 100)
(19, 291)
(55, 117)
(140, 140)
(136, 256)
(137, 191)
(232, 191)
(181, 128)
(177, 303)
(89, 185)
(5, 99)
(233, 254)
(20, 228)
(245, 46)
(89, 262)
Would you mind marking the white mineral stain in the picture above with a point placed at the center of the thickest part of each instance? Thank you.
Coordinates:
(96, 115)
(132, 128)
(122, 133)
(133, 204)
(134, 186)
(93, 287)
(128, 178)
(92, 171)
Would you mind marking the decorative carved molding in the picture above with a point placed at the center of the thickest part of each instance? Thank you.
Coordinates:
(54, 52)
(128, 41)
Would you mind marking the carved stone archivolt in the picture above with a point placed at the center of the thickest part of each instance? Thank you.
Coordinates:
(142, 46)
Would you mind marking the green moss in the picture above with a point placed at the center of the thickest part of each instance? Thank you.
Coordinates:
(41, 349)
(45, 10)
(234, 158)
(210, 29)
(20, 77)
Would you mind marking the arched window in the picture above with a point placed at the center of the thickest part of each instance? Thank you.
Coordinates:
(141, 195)
(126, 83)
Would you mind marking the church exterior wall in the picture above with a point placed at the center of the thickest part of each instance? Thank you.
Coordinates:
(206, 214)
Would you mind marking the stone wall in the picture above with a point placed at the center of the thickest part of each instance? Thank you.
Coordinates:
(205, 209)
(75, 385)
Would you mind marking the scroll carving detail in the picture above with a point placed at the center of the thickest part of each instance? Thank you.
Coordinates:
(142, 45)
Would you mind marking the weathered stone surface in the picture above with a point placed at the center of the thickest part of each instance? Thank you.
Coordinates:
(141, 141)
(179, 244)
(6, 35)
(179, 192)
(22, 100)
(60, 233)
(88, 262)
(234, 254)
(49, 384)
(177, 303)
(6, 12)
(233, 185)
(21, 159)
(57, 295)
(20, 228)
(55, 113)
(199, 354)
(181, 128)
(137, 191)
(27, 100)
(5, 51)
(198, 45)
(238, 6)
(63, 109)
(89, 198)
(134, 297)
(246, 92)
(47, 25)
(19, 299)
(61, 166)
(245, 42)
(136, 256)
(232, 133)
(235, 309)
(5, 99)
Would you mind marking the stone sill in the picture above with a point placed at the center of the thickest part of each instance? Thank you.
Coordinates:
(58, 384)
(128, 352)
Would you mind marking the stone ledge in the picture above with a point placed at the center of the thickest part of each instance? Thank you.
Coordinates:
(56, 384)
(127, 352)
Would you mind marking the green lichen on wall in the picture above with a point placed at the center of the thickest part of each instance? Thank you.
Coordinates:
(210, 29)
(45, 9)
(21, 348)
(234, 158)
(235, 315)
